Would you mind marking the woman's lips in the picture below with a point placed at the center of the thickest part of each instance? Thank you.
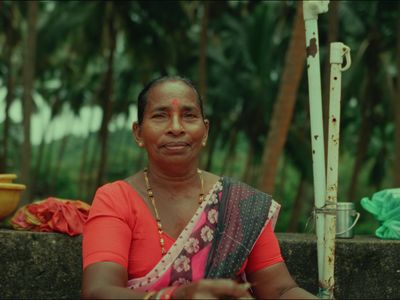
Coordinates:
(176, 145)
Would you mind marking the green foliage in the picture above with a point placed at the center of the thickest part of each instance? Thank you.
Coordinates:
(246, 43)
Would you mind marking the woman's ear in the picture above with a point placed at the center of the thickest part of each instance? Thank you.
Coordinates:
(136, 130)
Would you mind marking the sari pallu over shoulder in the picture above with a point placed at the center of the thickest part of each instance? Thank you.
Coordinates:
(243, 214)
(217, 240)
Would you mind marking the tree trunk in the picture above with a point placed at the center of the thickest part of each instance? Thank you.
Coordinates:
(396, 103)
(284, 105)
(203, 52)
(106, 100)
(297, 206)
(333, 33)
(28, 79)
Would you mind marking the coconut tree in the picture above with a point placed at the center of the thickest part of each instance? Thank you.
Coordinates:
(63, 56)
(28, 81)
(246, 94)
(369, 97)
(284, 105)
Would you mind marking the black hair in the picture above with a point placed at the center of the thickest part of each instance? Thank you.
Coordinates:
(142, 98)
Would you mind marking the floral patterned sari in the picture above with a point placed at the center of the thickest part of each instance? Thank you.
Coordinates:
(217, 240)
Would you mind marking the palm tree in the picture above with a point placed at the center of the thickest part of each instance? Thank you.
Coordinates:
(107, 92)
(284, 105)
(372, 139)
(242, 72)
(28, 79)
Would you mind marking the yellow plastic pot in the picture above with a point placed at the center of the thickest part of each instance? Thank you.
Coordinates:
(10, 195)
(7, 178)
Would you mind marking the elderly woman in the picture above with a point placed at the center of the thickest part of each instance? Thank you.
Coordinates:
(173, 231)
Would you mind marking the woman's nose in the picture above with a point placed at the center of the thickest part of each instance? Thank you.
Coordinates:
(176, 125)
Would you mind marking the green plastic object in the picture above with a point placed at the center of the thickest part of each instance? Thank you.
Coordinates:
(385, 206)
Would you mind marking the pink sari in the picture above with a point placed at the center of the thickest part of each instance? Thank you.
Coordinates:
(217, 240)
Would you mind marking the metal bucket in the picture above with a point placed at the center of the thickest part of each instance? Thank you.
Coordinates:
(346, 219)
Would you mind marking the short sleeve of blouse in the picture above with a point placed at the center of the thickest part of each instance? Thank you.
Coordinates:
(107, 232)
(266, 251)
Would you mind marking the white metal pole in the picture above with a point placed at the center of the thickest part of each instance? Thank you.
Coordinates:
(338, 50)
(311, 9)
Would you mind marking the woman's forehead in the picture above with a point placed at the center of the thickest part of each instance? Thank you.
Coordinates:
(171, 92)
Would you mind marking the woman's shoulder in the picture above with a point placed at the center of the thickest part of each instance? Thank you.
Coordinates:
(127, 184)
(116, 186)
(116, 198)
(118, 191)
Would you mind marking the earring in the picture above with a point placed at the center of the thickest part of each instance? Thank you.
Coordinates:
(140, 144)
(203, 143)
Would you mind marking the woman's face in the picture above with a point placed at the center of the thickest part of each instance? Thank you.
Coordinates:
(173, 129)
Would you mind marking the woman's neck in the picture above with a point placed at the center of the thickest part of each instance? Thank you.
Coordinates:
(173, 176)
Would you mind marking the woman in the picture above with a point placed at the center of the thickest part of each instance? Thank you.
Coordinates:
(172, 231)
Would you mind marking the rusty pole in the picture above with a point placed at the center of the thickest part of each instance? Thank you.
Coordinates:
(311, 9)
(338, 50)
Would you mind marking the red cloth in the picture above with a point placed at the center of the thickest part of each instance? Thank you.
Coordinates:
(52, 215)
(121, 229)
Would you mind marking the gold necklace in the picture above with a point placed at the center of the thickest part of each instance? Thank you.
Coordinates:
(151, 198)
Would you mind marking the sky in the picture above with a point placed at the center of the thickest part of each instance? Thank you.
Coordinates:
(89, 119)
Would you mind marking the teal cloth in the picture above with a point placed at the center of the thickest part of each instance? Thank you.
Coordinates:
(385, 206)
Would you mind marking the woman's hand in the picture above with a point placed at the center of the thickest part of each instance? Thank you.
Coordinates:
(213, 289)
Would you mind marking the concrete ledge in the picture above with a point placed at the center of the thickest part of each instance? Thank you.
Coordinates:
(365, 267)
(48, 265)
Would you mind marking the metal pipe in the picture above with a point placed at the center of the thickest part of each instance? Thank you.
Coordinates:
(311, 9)
(338, 50)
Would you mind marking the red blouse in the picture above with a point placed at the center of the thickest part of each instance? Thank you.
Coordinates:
(121, 229)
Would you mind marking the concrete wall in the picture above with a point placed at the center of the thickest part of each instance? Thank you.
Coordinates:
(365, 266)
(48, 265)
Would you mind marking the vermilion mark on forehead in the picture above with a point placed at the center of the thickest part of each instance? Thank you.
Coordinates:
(175, 103)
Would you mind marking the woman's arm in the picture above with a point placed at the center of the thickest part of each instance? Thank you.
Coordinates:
(275, 282)
(107, 280)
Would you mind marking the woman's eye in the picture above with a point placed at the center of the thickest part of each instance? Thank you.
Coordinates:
(158, 116)
(190, 115)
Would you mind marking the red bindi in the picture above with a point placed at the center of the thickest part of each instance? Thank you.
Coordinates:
(175, 103)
